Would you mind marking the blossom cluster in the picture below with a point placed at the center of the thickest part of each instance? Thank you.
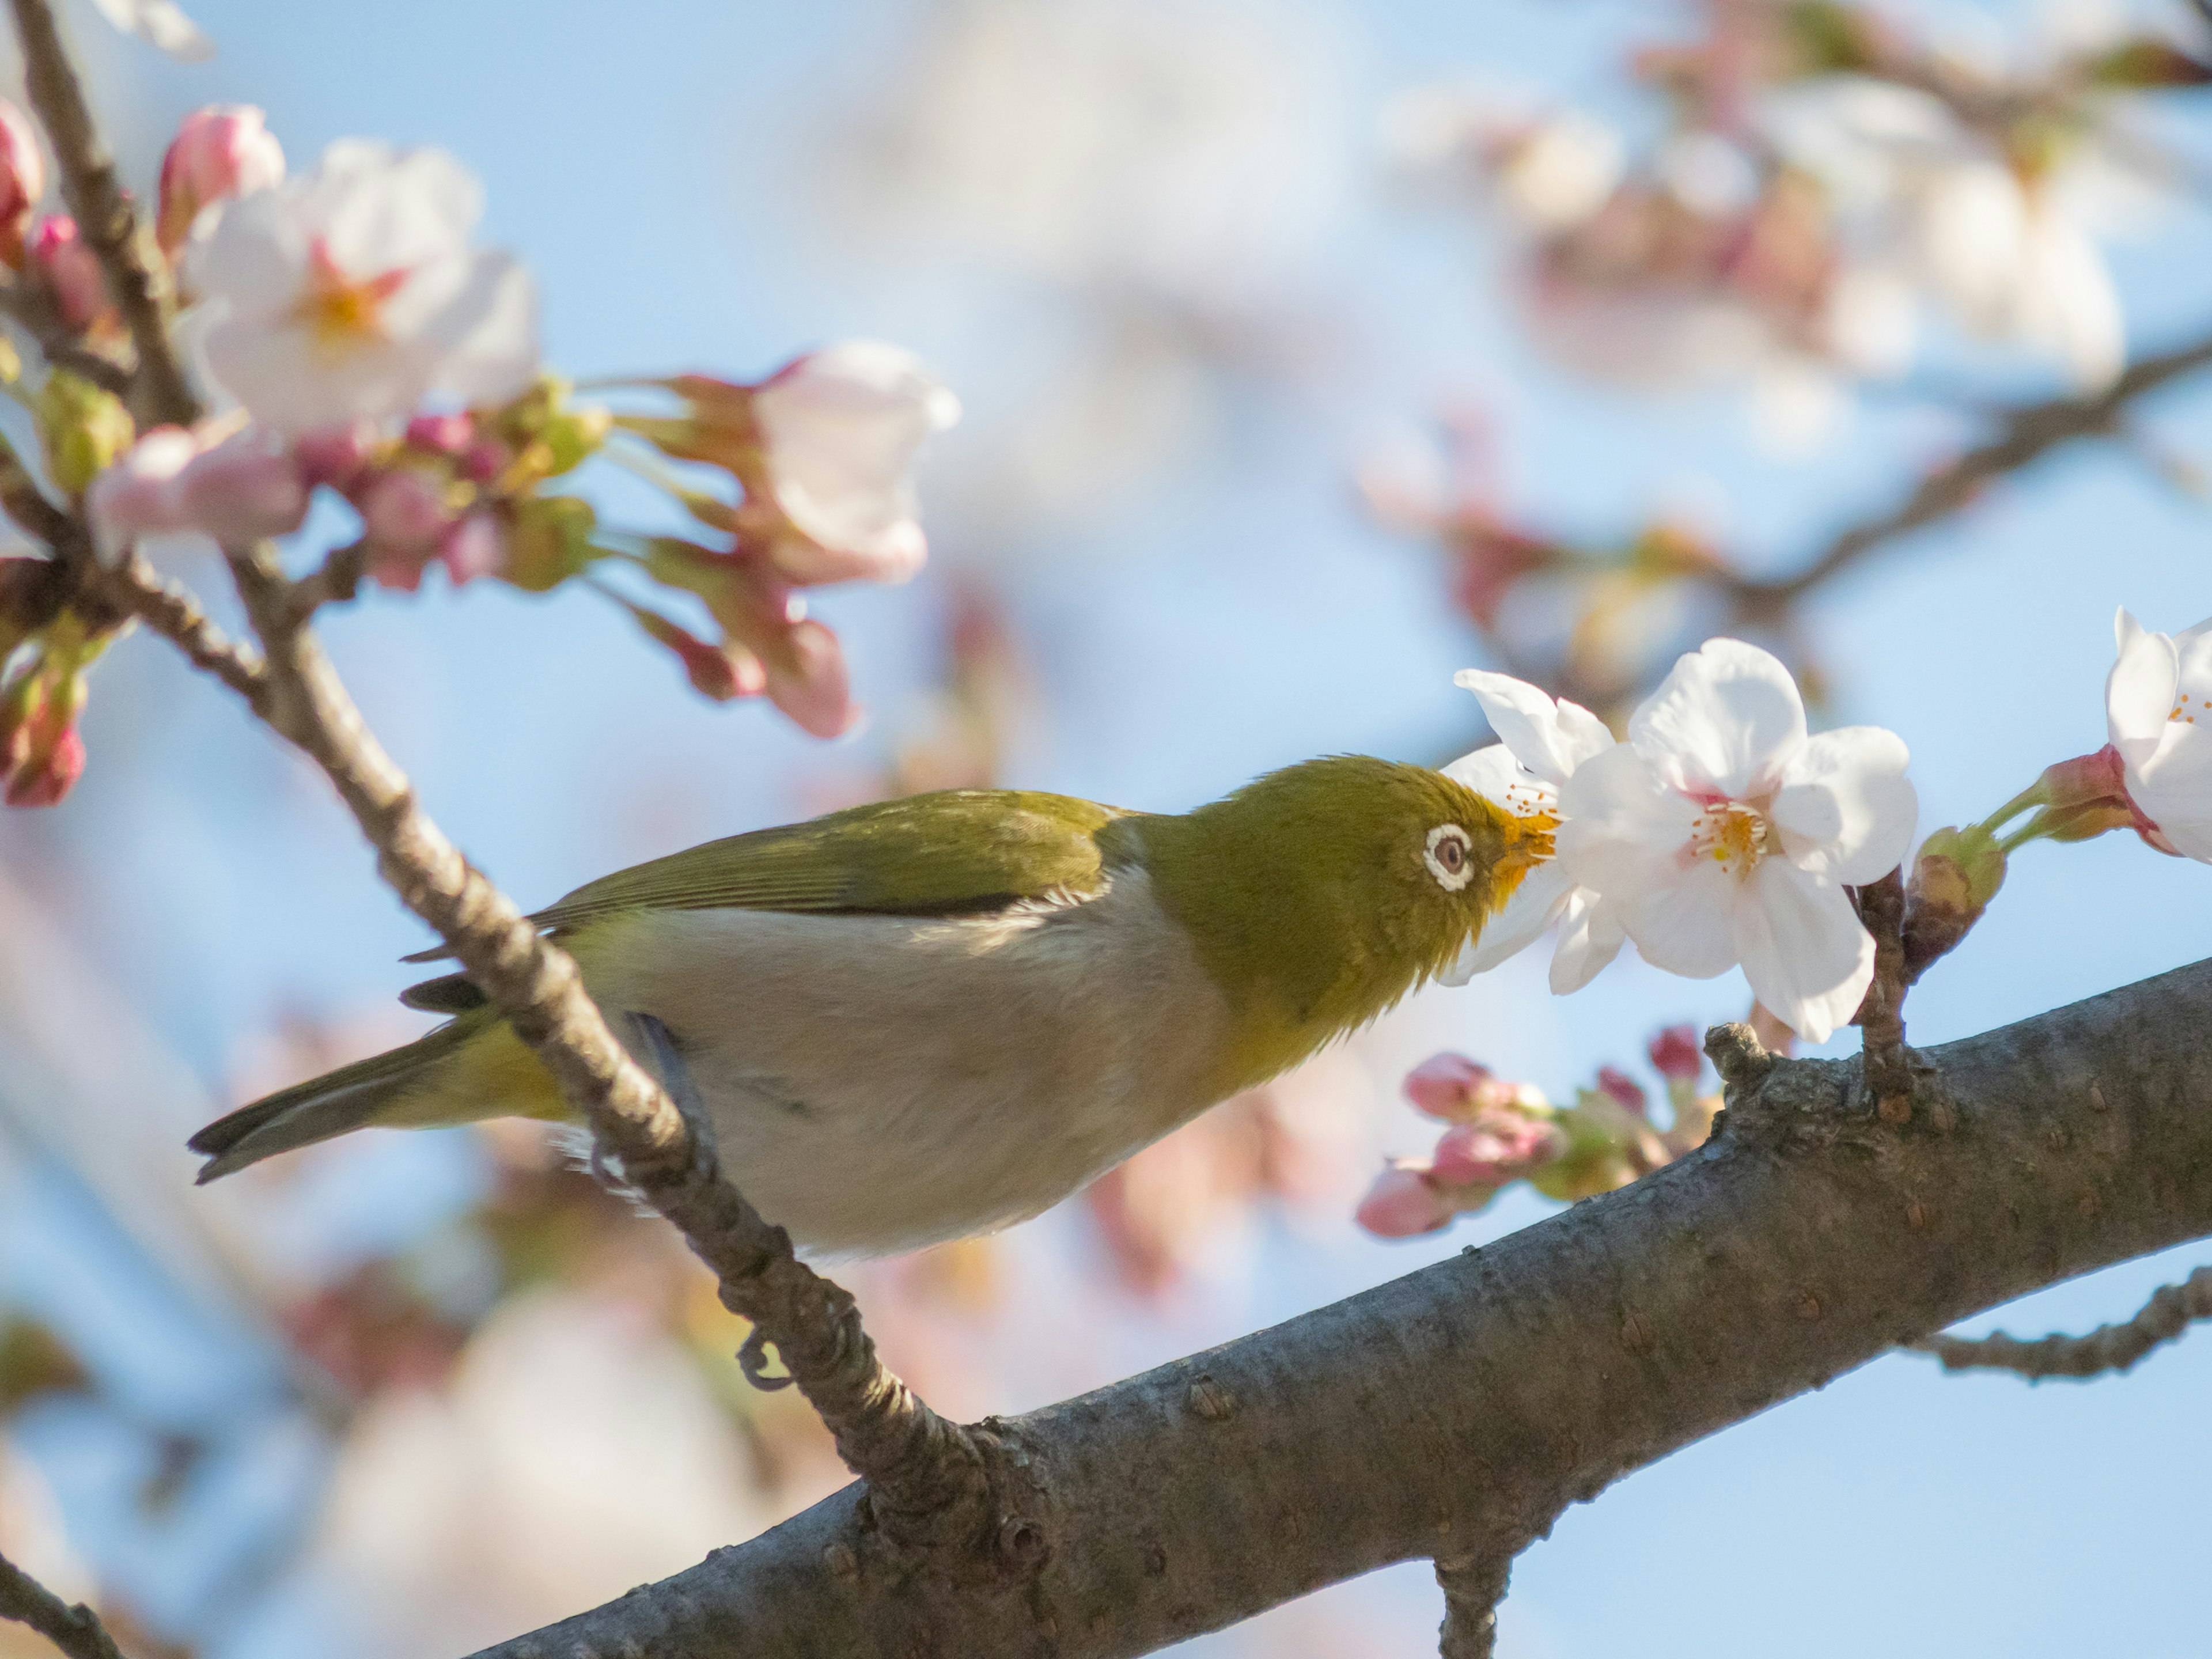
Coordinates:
(361, 345)
(1498, 1133)
(1823, 173)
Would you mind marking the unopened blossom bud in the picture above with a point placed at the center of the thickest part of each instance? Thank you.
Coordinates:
(807, 680)
(1443, 1085)
(1954, 879)
(548, 541)
(219, 152)
(475, 546)
(404, 513)
(22, 181)
(69, 270)
(1402, 1204)
(41, 753)
(485, 459)
(243, 489)
(1676, 1054)
(82, 429)
(337, 455)
(1619, 1086)
(440, 434)
(1498, 1147)
(721, 672)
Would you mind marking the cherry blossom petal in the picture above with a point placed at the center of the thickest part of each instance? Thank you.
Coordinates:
(1807, 956)
(1535, 905)
(1621, 827)
(1726, 718)
(1846, 811)
(1684, 926)
(1590, 937)
(1494, 773)
(2139, 692)
(1550, 739)
(162, 24)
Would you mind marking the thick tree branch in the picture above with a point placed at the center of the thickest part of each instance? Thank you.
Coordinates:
(1468, 1403)
(2103, 1351)
(137, 279)
(76, 1631)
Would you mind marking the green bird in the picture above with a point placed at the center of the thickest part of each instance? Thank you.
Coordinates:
(935, 1017)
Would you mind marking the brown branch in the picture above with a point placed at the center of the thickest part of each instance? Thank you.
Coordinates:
(1473, 1589)
(137, 279)
(2025, 435)
(76, 1631)
(923, 1472)
(139, 590)
(1468, 1402)
(2106, 1351)
(33, 309)
(1880, 1017)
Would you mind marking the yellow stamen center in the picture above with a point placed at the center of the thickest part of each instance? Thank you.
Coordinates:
(342, 311)
(1733, 836)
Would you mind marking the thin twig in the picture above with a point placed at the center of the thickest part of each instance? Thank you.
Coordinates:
(918, 1465)
(138, 589)
(1473, 1589)
(2108, 1350)
(76, 1631)
(1881, 1016)
(137, 280)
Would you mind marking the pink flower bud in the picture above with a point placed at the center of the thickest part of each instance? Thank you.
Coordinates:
(440, 434)
(69, 271)
(143, 493)
(722, 672)
(1623, 1088)
(1402, 1204)
(1676, 1055)
(245, 487)
(1504, 1146)
(404, 513)
(336, 455)
(22, 181)
(485, 459)
(219, 152)
(807, 679)
(477, 546)
(41, 752)
(1444, 1086)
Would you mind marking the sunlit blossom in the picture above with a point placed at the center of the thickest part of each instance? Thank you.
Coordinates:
(236, 484)
(1722, 833)
(352, 292)
(2158, 710)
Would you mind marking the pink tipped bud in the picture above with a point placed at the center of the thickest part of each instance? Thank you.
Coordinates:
(245, 487)
(477, 546)
(485, 459)
(440, 434)
(1402, 1204)
(336, 455)
(69, 270)
(807, 679)
(1445, 1085)
(22, 181)
(721, 672)
(1504, 1146)
(1623, 1088)
(41, 752)
(1676, 1055)
(219, 152)
(404, 513)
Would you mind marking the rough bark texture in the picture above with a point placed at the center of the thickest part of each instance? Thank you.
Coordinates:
(76, 1631)
(1462, 1407)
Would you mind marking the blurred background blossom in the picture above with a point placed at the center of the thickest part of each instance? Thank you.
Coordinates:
(1308, 353)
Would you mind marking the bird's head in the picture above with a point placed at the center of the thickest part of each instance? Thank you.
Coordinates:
(1321, 894)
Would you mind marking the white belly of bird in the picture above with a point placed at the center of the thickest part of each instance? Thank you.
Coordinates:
(881, 1083)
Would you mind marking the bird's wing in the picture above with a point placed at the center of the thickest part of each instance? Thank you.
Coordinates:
(953, 851)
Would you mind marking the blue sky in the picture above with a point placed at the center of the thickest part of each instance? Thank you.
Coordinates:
(669, 172)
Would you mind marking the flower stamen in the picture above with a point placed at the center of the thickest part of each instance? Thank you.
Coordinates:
(1734, 836)
(341, 310)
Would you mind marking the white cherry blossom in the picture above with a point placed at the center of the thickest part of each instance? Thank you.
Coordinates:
(353, 293)
(1540, 744)
(162, 23)
(2157, 708)
(839, 429)
(1722, 833)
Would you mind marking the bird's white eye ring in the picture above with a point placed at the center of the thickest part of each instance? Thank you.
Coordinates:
(1449, 857)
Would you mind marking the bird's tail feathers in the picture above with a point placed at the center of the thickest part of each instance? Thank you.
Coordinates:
(349, 1098)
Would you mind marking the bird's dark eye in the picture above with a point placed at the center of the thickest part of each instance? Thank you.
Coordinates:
(1448, 856)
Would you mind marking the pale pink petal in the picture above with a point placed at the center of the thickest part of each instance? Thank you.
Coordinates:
(1725, 719)
(1845, 809)
(1684, 926)
(1807, 956)
(1590, 937)
(2139, 692)
(1494, 773)
(1550, 739)
(1622, 827)
(1402, 1205)
(1535, 905)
